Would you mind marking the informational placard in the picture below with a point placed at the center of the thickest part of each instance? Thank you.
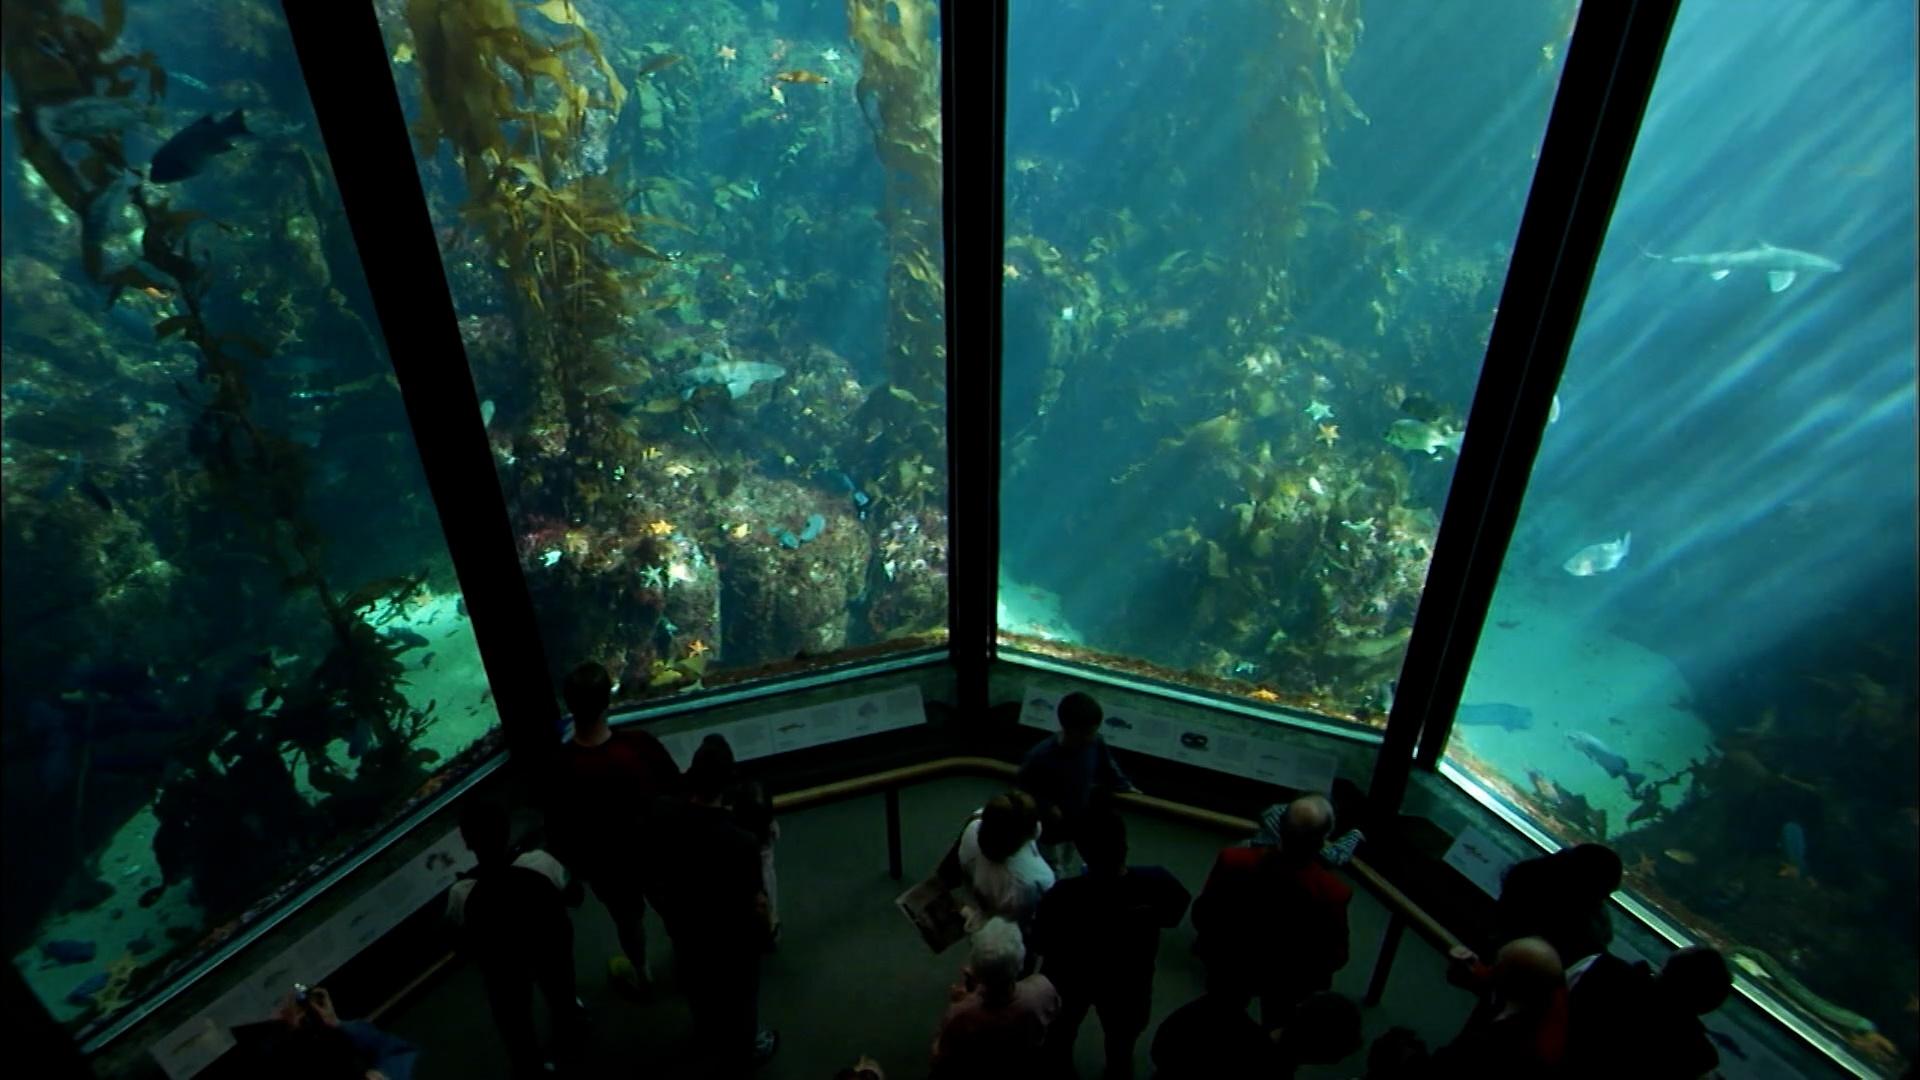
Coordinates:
(1228, 744)
(803, 728)
(1478, 859)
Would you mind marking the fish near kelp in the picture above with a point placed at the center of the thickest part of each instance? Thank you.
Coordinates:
(1607, 758)
(802, 77)
(194, 146)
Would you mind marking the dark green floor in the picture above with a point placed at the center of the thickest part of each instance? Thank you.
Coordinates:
(852, 977)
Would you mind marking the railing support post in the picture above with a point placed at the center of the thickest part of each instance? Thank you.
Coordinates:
(1383, 964)
(893, 833)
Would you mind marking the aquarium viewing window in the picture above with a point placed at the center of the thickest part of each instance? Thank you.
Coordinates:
(1701, 648)
(369, 366)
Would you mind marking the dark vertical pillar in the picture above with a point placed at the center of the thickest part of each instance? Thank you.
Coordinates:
(973, 79)
(344, 62)
(1611, 65)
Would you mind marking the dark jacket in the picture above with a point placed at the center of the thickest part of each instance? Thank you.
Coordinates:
(600, 797)
(703, 874)
(1286, 922)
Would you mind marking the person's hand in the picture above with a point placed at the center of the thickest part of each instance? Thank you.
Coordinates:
(321, 1003)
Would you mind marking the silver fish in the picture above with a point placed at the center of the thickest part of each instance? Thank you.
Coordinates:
(1606, 757)
(1599, 558)
(738, 376)
(1782, 265)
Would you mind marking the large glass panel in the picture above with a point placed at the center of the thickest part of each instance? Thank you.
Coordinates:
(234, 648)
(1702, 644)
(1253, 253)
(696, 252)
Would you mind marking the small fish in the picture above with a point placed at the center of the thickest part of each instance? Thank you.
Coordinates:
(412, 639)
(188, 152)
(1599, 558)
(68, 951)
(738, 376)
(1682, 856)
(1409, 434)
(1604, 756)
(83, 994)
(801, 75)
(427, 659)
(185, 79)
(1508, 624)
(90, 117)
(658, 63)
(486, 413)
(1495, 714)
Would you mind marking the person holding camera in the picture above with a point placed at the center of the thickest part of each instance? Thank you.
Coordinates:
(315, 1044)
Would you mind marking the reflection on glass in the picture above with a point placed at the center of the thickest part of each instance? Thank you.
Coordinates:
(696, 254)
(1253, 251)
(1702, 644)
(234, 648)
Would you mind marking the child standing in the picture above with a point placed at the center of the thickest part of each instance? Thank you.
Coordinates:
(1065, 773)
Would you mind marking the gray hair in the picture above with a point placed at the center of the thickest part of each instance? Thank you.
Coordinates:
(998, 952)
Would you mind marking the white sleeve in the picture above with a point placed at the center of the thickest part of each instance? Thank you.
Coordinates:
(457, 902)
(545, 864)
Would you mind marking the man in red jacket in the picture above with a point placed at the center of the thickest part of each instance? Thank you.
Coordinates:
(1276, 915)
(603, 786)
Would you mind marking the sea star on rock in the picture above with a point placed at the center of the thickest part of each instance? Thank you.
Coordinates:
(655, 577)
(1319, 410)
(727, 54)
(831, 56)
(696, 647)
(1328, 433)
(661, 528)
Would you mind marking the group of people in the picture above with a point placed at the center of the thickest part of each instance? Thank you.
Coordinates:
(1556, 1002)
(1060, 923)
(625, 822)
(1050, 945)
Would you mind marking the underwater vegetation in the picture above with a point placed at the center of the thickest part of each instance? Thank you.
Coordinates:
(695, 485)
(178, 530)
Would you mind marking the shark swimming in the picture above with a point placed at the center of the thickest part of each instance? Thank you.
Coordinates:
(738, 376)
(1783, 266)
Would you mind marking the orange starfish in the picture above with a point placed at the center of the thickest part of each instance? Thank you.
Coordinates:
(1264, 694)
(661, 528)
(696, 647)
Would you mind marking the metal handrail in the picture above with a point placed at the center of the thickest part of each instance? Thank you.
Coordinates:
(1401, 910)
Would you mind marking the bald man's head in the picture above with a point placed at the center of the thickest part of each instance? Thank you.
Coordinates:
(1527, 971)
(1306, 826)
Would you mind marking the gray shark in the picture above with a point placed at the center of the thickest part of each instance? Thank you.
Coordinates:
(1782, 265)
(738, 376)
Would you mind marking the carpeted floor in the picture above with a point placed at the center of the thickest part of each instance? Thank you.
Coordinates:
(852, 977)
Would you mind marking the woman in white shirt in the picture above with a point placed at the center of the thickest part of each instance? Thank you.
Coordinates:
(1001, 860)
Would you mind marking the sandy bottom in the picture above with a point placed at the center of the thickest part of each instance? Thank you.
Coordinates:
(1577, 677)
(452, 677)
(1031, 610)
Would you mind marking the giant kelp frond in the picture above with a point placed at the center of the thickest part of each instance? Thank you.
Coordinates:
(899, 95)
